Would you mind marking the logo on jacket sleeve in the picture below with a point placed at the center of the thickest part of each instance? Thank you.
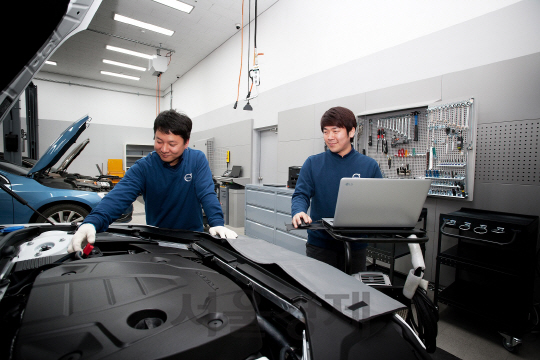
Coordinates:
(356, 175)
(188, 177)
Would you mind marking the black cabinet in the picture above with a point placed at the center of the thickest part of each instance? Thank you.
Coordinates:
(494, 256)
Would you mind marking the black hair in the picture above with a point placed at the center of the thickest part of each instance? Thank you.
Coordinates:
(171, 121)
(340, 117)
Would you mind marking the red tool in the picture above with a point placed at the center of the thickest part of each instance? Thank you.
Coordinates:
(88, 249)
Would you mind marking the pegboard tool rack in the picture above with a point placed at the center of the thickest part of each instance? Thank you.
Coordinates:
(434, 141)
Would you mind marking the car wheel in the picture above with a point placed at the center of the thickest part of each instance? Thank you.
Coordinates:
(64, 213)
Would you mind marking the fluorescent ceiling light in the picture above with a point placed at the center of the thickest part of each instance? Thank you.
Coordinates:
(143, 25)
(120, 75)
(129, 52)
(178, 5)
(124, 65)
(50, 62)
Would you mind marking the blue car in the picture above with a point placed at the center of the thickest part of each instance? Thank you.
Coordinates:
(59, 196)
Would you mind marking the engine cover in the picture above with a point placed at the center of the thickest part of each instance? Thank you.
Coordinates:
(142, 306)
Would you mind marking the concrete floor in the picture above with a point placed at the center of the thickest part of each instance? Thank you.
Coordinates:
(459, 333)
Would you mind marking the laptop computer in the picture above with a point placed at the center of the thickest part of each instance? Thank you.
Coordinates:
(379, 203)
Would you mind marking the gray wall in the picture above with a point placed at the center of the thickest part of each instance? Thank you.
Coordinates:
(236, 138)
(506, 97)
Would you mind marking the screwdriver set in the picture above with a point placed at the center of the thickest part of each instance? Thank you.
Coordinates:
(433, 142)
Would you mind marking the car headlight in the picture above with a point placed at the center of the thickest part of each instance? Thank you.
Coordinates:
(103, 184)
(102, 194)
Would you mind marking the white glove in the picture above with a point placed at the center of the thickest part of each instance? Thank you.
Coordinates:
(223, 232)
(85, 234)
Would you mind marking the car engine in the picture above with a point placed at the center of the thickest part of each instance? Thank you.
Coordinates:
(150, 293)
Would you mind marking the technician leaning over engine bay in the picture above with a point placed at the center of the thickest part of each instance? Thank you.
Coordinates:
(174, 181)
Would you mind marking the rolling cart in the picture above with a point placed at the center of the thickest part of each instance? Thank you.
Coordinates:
(375, 236)
(494, 257)
(388, 253)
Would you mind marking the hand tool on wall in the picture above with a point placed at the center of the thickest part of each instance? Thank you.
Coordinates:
(415, 125)
(459, 111)
(460, 141)
(409, 127)
(370, 142)
(378, 137)
(467, 111)
(383, 135)
(447, 137)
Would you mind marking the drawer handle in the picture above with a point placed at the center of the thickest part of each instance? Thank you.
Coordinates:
(457, 236)
(482, 229)
(498, 230)
(465, 226)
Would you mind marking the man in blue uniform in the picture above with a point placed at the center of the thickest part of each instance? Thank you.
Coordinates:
(174, 181)
(318, 185)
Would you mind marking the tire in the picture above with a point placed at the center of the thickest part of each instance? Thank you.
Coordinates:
(63, 213)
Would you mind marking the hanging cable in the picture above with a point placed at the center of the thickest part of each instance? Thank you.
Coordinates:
(254, 72)
(255, 63)
(248, 105)
(158, 89)
(249, 44)
(241, 56)
(427, 316)
(255, 35)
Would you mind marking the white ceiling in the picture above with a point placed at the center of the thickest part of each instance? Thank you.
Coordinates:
(210, 24)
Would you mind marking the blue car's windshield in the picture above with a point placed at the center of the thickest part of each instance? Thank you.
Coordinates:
(13, 169)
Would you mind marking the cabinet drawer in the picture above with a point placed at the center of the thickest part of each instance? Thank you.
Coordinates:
(261, 199)
(290, 242)
(260, 215)
(283, 203)
(281, 219)
(259, 231)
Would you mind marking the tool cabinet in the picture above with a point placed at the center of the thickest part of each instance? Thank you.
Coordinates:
(494, 257)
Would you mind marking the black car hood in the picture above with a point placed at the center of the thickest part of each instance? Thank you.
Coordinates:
(56, 21)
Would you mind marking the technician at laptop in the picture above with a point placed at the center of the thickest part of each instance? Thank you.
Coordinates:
(318, 185)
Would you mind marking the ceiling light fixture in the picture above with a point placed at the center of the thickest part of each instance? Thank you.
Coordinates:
(50, 62)
(124, 65)
(129, 52)
(178, 5)
(143, 25)
(120, 75)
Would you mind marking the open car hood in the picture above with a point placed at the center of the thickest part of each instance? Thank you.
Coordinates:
(52, 22)
(72, 156)
(59, 147)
